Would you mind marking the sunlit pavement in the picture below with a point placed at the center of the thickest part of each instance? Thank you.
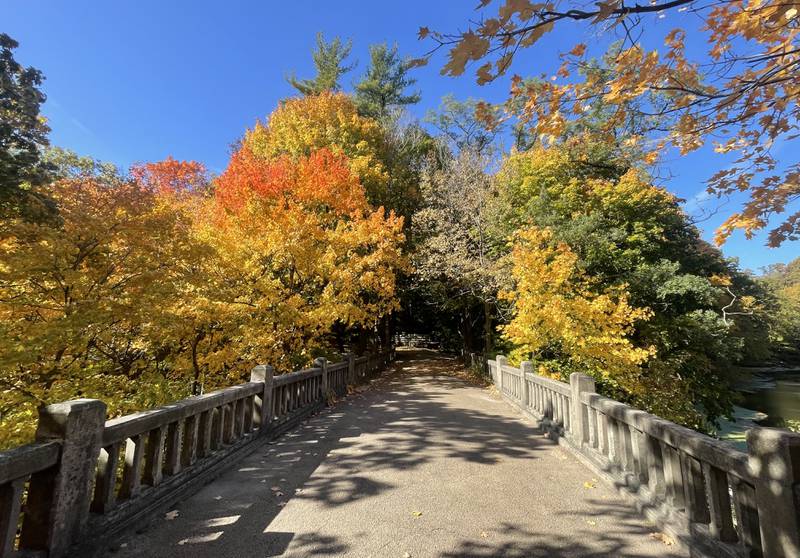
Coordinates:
(420, 464)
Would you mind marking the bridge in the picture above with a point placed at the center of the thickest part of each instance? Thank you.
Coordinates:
(383, 456)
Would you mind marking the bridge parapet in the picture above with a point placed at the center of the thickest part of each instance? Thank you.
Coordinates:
(710, 497)
(86, 479)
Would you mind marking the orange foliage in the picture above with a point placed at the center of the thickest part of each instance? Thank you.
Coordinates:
(321, 179)
(171, 176)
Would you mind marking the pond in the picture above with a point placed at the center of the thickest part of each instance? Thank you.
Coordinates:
(769, 398)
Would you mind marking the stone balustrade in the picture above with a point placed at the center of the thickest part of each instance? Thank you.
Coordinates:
(87, 479)
(710, 497)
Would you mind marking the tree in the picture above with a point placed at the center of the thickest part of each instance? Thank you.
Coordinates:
(382, 155)
(783, 281)
(384, 84)
(563, 319)
(456, 120)
(329, 61)
(322, 258)
(456, 265)
(84, 301)
(741, 95)
(23, 131)
(629, 240)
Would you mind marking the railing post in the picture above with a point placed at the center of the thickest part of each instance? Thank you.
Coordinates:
(527, 368)
(351, 368)
(322, 363)
(775, 463)
(262, 406)
(501, 361)
(579, 419)
(58, 498)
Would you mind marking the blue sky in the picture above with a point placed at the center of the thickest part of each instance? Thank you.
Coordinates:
(138, 81)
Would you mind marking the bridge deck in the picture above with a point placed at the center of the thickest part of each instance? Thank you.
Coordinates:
(420, 465)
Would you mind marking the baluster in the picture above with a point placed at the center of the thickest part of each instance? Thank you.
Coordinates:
(744, 504)
(719, 503)
(205, 432)
(641, 455)
(655, 467)
(132, 469)
(172, 462)
(106, 479)
(238, 418)
(625, 447)
(614, 444)
(249, 410)
(10, 503)
(189, 447)
(673, 476)
(602, 431)
(218, 428)
(592, 427)
(154, 456)
(694, 490)
(229, 424)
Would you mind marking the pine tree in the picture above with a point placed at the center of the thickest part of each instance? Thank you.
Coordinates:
(329, 60)
(384, 83)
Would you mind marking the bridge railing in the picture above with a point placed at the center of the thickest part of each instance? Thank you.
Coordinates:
(711, 497)
(86, 479)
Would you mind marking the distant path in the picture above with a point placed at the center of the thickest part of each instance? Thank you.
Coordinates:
(422, 464)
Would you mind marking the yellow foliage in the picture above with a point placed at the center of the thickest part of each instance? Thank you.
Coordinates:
(557, 311)
(328, 120)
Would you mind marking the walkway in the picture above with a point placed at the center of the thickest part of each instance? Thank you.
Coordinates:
(422, 464)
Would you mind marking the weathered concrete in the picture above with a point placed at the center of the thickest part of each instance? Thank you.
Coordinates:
(420, 465)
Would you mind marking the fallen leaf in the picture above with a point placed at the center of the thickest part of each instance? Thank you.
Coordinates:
(218, 497)
(170, 515)
(590, 522)
(416, 513)
(663, 537)
(484, 535)
(588, 484)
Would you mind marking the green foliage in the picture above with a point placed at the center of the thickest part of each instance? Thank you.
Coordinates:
(783, 282)
(383, 85)
(329, 61)
(23, 132)
(457, 121)
(628, 234)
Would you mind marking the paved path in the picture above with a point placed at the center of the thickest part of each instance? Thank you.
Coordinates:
(421, 464)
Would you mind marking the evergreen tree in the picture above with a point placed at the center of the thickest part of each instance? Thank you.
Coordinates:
(23, 131)
(383, 85)
(329, 60)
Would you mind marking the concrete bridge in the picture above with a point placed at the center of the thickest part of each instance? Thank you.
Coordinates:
(417, 463)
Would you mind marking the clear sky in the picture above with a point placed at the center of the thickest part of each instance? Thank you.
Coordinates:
(138, 81)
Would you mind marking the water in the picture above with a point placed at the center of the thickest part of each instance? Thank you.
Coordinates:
(770, 398)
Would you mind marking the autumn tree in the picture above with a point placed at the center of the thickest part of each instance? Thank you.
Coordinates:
(456, 267)
(23, 132)
(783, 281)
(84, 301)
(564, 320)
(382, 155)
(323, 257)
(738, 92)
(329, 62)
(383, 86)
(629, 240)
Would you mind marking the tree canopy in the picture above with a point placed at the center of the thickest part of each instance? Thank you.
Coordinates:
(737, 91)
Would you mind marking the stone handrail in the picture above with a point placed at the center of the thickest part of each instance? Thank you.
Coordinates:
(712, 498)
(88, 479)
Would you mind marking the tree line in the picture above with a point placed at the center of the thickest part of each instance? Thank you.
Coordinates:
(340, 219)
